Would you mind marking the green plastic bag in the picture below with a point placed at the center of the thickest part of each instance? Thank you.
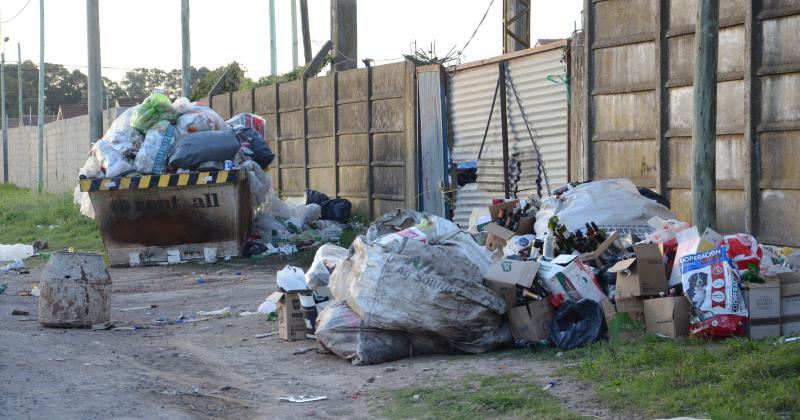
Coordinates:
(155, 108)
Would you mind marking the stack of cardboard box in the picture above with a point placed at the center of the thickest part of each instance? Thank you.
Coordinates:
(531, 319)
(497, 236)
(790, 302)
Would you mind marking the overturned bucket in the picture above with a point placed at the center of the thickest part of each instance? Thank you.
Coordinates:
(75, 290)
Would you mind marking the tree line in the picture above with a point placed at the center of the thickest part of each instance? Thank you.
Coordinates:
(65, 87)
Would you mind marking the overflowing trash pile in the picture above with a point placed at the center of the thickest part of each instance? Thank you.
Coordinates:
(598, 260)
(162, 137)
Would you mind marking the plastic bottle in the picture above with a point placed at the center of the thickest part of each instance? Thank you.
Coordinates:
(548, 246)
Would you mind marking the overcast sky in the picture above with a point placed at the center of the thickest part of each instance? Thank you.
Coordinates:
(146, 33)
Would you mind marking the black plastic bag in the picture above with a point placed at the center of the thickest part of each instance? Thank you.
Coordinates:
(315, 197)
(262, 155)
(337, 209)
(194, 149)
(578, 323)
(252, 247)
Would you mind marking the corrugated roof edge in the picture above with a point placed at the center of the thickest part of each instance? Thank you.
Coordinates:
(535, 50)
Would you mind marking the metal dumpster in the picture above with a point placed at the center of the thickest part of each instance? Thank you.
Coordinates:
(156, 219)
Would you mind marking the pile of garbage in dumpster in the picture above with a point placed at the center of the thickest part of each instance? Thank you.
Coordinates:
(163, 137)
(598, 260)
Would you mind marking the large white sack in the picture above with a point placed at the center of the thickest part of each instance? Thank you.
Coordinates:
(610, 203)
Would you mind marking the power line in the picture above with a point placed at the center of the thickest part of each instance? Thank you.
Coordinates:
(18, 13)
(476, 29)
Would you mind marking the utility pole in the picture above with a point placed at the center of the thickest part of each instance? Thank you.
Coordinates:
(273, 46)
(95, 85)
(19, 85)
(40, 131)
(516, 25)
(3, 117)
(294, 34)
(186, 69)
(344, 34)
(704, 129)
(306, 30)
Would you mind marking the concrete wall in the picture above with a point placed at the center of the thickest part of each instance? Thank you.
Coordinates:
(66, 144)
(349, 134)
(633, 114)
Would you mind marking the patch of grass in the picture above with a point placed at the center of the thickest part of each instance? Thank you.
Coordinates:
(26, 216)
(472, 397)
(730, 379)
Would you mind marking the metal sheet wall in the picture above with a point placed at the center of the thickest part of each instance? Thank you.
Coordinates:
(544, 102)
(636, 106)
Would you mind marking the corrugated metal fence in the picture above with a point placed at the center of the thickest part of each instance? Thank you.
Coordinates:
(635, 116)
(538, 75)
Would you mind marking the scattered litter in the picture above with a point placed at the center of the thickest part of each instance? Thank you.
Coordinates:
(269, 334)
(225, 388)
(104, 326)
(56, 359)
(201, 280)
(248, 313)
(302, 398)
(138, 308)
(390, 369)
(415, 397)
(303, 351)
(195, 391)
(16, 265)
(35, 291)
(551, 384)
(222, 313)
(371, 379)
(788, 339)
(19, 312)
(133, 328)
(3, 288)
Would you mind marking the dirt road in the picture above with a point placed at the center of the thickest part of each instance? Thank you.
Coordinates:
(205, 369)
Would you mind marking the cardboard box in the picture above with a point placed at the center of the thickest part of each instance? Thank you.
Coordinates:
(668, 315)
(506, 291)
(525, 225)
(762, 328)
(532, 321)
(790, 326)
(572, 281)
(291, 324)
(513, 272)
(633, 306)
(494, 209)
(790, 294)
(497, 236)
(790, 302)
(763, 300)
(643, 275)
(608, 309)
(601, 249)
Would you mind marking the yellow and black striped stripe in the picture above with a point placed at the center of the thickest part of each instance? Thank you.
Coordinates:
(160, 181)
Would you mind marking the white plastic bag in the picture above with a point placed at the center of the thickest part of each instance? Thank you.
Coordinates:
(146, 158)
(518, 243)
(198, 118)
(91, 169)
(610, 203)
(325, 260)
(122, 121)
(291, 279)
(111, 159)
(15, 252)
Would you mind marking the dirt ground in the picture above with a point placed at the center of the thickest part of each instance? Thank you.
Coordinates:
(207, 369)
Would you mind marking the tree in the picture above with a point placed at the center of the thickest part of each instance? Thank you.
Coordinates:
(113, 90)
(236, 80)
